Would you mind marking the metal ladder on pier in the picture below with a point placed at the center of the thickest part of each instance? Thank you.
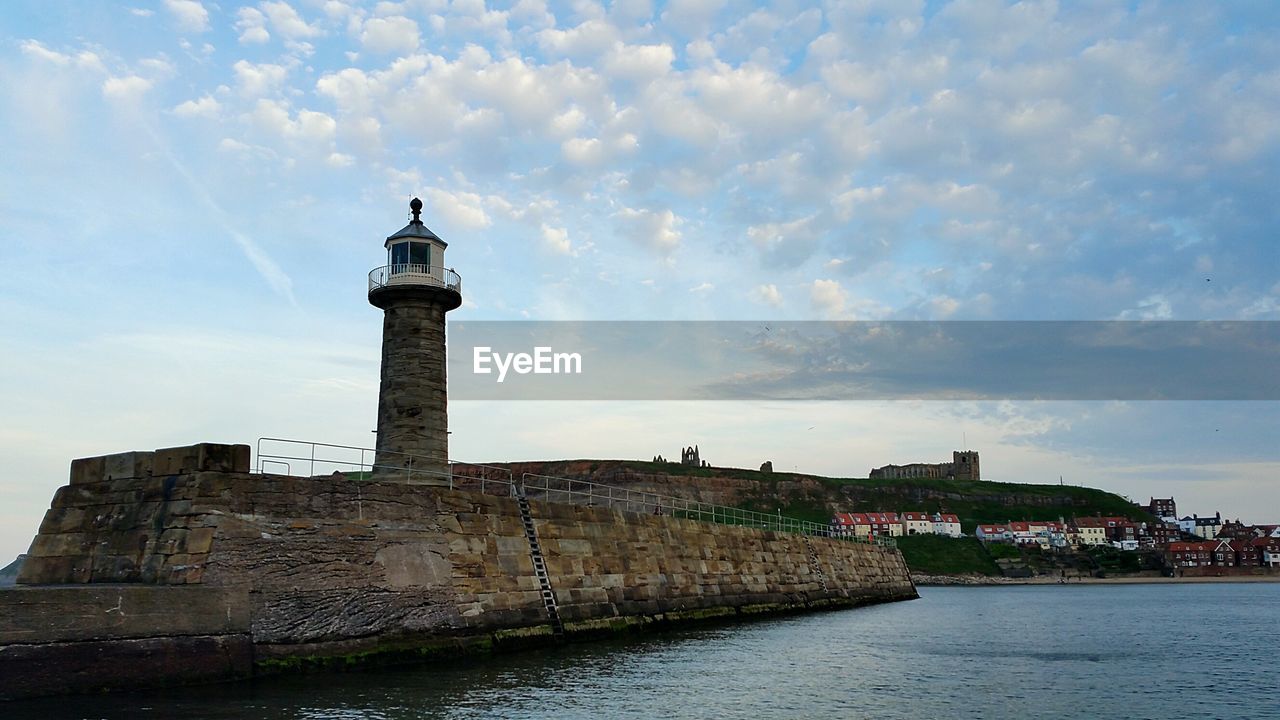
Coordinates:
(814, 567)
(539, 563)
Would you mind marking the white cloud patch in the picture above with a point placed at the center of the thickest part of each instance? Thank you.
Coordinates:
(309, 126)
(206, 106)
(340, 160)
(828, 297)
(656, 230)
(462, 210)
(125, 89)
(768, 294)
(1152, 307)
(258, 80)
(390, 35)
(189, 15)
(556, 240)
(585, 152)
(287, 22)
(252, 25)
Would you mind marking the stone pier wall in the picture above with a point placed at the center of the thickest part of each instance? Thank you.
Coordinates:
(334, 567)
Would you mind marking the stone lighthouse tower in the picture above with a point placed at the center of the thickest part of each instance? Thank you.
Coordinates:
(414, 290)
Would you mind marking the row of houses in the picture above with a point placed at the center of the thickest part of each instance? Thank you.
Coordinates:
(1208, 527)
(1224, 553)
(1120, 532)
(891, 524)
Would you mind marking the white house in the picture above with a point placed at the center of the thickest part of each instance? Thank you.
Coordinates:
(946, 524)
(916, 523)
(994, 533)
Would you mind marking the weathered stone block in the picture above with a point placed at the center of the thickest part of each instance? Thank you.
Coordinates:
(87, 470)
(202, 457)
(176, 460)
(125, 465)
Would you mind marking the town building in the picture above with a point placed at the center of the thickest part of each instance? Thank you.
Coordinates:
(1268, 549)
(1202, 527)
(917, 523)
(1163, 508)
(993, 533)
(872, 524)
(847, 525)
(1236, 530)
(1158, 533)
(1190, 554)
(946, 524)
(1222, 554)
(1089, 530)
(1247, 554)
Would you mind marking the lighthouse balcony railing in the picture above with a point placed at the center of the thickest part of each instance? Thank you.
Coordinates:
(410, 274)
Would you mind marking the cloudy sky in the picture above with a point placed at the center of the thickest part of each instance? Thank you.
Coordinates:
(191, 194)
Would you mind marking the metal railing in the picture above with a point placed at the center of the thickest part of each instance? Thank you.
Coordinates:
(413, 274)
(358, 463)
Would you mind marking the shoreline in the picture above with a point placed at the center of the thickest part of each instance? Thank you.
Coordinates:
(987, 581)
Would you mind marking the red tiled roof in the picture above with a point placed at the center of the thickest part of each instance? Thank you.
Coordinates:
(950, 519)
(1206, 546)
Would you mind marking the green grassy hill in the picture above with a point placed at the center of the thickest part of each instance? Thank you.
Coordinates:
(937, 555)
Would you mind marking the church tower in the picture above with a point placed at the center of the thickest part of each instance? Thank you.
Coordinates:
(414, 291)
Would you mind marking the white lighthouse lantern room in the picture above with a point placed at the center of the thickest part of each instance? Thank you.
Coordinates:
(415, 256)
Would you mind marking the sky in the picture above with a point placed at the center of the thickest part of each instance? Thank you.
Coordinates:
(191, 195)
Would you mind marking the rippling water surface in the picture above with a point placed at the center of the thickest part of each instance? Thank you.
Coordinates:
(1128, 651)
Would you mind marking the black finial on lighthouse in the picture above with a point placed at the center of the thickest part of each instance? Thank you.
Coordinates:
(415, 205)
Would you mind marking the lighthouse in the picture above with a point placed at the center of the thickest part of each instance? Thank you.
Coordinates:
(414, 290)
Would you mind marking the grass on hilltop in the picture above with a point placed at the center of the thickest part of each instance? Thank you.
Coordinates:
(939, 555)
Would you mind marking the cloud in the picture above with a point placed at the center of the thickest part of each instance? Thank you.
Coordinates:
(340, 160)
(584, 152)
(702, 288)
(258, 80)
(206, 106)
(556, 240)
(36, 49)
(310, 126)
(828, 298)
(1152, 307)
(287, 22)
(768, 294)
(125, 89)
(658, 230)
(190, 15)
(252, 26)
(462, 210)
(390, 35)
